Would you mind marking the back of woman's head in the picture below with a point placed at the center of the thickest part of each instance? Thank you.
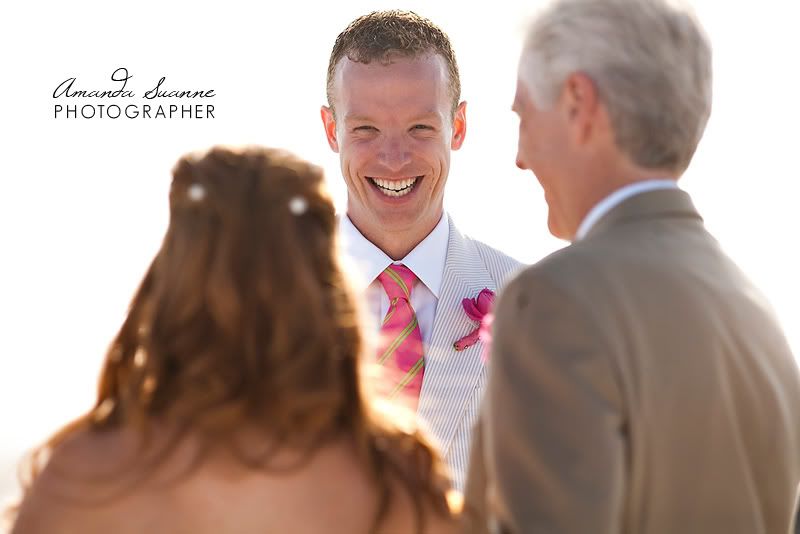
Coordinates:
(244, 321)
(244, 315)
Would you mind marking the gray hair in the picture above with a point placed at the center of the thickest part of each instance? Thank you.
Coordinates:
(650, 61)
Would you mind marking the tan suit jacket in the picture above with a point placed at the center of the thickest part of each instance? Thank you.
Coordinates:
(639, 384)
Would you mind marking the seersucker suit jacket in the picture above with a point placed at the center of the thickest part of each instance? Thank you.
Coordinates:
(454, 381)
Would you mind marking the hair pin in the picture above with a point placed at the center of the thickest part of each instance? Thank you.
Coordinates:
(196, 192)
(298, 205)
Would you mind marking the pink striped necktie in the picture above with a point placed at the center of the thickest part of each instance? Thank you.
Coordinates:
(400, 346)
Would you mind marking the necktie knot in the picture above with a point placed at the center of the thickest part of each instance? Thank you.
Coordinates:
(398, 281)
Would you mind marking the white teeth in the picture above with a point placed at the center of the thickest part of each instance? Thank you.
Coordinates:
(396, 193)
(395, 188)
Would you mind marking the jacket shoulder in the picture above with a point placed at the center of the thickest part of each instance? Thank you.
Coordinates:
(500, 266)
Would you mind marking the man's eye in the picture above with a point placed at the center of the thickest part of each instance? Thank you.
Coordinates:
(421, 127)
(364, 128)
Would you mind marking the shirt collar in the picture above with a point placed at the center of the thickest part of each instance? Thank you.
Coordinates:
(616, 198)
(426, 260)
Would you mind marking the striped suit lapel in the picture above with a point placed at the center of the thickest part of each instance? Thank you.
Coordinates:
(450, 376)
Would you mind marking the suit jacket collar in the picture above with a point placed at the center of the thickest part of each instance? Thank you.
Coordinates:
(451, 377)
(664, 203)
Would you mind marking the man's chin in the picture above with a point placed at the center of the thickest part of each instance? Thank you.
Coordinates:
(402, 222)
(557, 229)
(397, 224)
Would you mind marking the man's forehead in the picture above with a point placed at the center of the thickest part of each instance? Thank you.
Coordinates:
(518, 93)
(522, 96)
(408, 89)
(363, 115)
(428, 66)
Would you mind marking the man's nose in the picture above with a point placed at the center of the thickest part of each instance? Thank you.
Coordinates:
(395, 153)
(520, 160)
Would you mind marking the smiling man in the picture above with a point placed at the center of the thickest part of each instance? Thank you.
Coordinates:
(394, 116)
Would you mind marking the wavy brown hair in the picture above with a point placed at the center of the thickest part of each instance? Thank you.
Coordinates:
(245, 319)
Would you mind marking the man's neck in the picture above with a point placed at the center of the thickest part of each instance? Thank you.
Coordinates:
(613, 180)
(396, 243)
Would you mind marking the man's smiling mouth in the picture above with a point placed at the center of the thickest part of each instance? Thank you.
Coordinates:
(395, 188)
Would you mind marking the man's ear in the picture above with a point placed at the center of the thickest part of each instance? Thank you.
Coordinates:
(459, 126)
(582, 105)
(329, 123)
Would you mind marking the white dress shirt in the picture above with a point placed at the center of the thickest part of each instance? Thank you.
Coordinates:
(426, 261)
(616, 198)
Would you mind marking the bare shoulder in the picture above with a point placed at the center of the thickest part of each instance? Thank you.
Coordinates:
(90, 487)
(74, 484)
(100, 481)
(402, 516)
(420, 489)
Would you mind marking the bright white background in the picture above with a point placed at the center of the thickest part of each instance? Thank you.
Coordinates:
(83, 203)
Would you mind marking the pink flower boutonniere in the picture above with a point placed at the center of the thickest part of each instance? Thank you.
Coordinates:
(479, 310)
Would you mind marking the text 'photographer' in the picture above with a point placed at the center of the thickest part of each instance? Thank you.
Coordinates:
(67, 89)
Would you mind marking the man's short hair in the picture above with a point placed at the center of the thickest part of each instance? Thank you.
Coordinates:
(650, 61)
(384, 35)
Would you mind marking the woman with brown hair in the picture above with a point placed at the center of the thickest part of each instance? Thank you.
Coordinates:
(231, 400)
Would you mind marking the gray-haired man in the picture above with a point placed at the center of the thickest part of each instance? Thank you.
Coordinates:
(639, 383)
